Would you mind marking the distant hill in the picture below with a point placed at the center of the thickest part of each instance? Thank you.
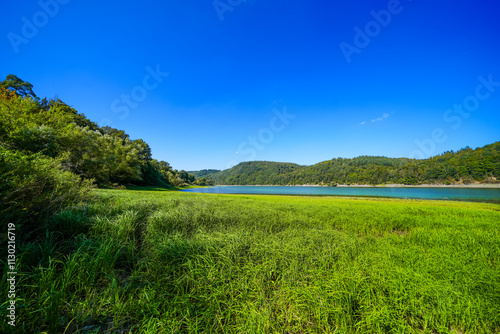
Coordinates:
(256, 172)
(203, 173)
(461, 167)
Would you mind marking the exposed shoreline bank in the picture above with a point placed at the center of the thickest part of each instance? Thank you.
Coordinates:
(473, 185)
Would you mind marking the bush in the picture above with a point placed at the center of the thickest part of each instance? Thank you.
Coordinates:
(34, 187)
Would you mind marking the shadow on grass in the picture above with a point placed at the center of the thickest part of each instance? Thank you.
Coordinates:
(150, 188)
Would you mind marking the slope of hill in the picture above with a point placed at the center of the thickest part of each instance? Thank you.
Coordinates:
(204, 172)
(257, 172)
(461, 167)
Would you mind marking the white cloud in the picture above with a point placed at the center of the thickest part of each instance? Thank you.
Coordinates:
(384, 116)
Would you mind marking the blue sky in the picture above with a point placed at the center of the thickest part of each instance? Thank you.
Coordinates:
(389, 90)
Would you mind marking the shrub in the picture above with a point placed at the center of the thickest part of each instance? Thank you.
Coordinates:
(34, 187)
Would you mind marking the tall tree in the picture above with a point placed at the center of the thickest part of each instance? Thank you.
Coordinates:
(21, 87)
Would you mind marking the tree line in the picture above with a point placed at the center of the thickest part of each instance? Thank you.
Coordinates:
(462, 167)
(56, 130)
(50, 155)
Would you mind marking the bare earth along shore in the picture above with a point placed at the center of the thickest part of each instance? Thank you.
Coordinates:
(472, 185)
(394, 185)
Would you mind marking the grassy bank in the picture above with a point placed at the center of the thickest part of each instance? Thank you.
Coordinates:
(171, 262)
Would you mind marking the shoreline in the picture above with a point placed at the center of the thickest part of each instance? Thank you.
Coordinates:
(473, 185)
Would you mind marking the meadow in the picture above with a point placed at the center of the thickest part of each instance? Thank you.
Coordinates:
(158, 261)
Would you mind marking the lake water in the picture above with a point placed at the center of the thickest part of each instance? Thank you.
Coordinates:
(467, 194)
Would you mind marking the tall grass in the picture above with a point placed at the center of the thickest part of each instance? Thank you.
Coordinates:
(169, 262)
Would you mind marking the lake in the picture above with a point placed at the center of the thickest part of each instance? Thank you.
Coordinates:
(463, 194)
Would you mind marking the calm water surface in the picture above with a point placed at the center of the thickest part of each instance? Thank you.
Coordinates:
(467, 194)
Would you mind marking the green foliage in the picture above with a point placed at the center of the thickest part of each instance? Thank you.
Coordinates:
(34, 187)
(152, 174)
(170, 262)
(204, 172)
(204, 181)
(464, 166)
(22, 88)
(54, 129)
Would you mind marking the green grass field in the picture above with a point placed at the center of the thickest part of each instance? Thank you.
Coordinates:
(171, 262)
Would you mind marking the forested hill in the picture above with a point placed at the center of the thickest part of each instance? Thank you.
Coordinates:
(461, 167)
(203, 173)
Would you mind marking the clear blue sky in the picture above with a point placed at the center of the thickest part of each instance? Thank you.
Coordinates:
(227, 76)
